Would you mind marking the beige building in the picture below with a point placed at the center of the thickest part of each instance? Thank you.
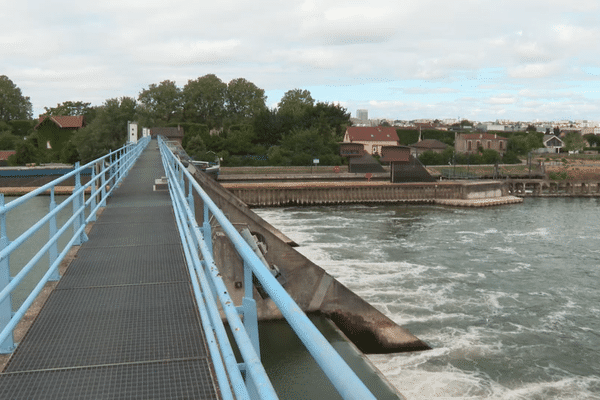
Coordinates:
(471, 142)
(372, 138)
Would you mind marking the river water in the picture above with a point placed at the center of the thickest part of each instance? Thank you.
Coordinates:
(508, 297)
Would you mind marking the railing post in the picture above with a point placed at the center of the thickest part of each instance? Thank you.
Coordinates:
(206, 229)
(79, 203)
(248, 309)
(52, 229)
(93, 194)
(103, 183)
(8, 345)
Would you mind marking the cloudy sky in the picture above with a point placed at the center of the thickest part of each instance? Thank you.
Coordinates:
(400, 59)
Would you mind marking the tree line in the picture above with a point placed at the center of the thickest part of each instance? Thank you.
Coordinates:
(230, 120)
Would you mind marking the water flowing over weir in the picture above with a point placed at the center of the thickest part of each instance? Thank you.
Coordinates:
(507, 297)
(309, 285)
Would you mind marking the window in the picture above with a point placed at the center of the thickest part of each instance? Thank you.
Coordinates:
(489, 144)
(469, 145)
(501, 145)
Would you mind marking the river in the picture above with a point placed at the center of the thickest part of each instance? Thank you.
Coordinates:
(508, 297)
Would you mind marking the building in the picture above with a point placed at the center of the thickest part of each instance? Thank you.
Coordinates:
(362, 115)
(372, 138)
(56, 130)
(470, 143)
(553, 143)
(4, 154)
(169, 133)
(403, 166)
(427, 145)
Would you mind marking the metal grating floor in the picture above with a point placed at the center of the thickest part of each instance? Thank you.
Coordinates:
(122, 322)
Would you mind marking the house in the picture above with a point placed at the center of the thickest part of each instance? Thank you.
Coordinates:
(169, 133)
(553, 143)
(56, 130)
(427, 145)
(403, 166)
(4, 154)
(470, 143)
(373, 138)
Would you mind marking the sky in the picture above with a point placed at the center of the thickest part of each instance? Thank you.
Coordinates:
(482, 60)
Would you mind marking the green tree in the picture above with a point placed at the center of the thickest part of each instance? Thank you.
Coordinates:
(574, 141)
(7, 141)
(204, 101)
(13, 105)
(26, 153)
(108, 131)
(244, 100)
(74, 108)
(159, 104)
(295, 102)
(593, 140)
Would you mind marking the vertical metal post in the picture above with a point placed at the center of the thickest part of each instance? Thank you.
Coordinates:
(8, 345)
(79, 203)
(248, 309)
(93, 194)
(52, 229)
(103, 183)
(206, 229)
(190, 199)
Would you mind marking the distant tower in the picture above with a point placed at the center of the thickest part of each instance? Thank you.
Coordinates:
(363, 115)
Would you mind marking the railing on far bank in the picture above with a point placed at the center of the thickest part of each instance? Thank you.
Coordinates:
(249, 378)
(86, 199)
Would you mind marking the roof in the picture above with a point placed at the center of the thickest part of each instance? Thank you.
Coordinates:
(63, 121)
(550, 137)
(170, 132)
(430, 144)
(372, 134)
(395, 154)
(4, 154)
(480, 136)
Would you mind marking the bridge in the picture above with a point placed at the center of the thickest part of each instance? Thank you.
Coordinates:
(142, 310)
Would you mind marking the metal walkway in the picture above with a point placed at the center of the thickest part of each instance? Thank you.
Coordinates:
(122, 322)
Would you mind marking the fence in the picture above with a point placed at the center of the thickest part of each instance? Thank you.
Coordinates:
(247, 379)
(86, 200)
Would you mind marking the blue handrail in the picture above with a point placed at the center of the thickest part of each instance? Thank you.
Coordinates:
(207, 284)
(107, 173)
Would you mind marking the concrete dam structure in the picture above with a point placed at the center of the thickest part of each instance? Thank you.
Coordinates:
(314, 290)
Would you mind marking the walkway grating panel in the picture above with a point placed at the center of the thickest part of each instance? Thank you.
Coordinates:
(133, 234)
(122, 322)
(112, 325)
(121, 266)
(180, 379)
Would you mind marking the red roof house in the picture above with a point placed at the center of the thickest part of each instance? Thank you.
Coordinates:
(373, 138)
(56, 130)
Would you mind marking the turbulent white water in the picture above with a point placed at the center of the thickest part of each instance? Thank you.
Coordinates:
(508, 297)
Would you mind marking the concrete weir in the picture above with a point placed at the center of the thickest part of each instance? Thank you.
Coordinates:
(311, 287)
(450, 193)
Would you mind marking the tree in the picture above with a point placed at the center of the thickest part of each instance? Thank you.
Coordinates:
(159, 104)
(108, 131)
(593, 140)
(244, 100)
(74, 108)
(7, 141)
(13, 105)
(295, 102)
(574, 141)
(204, 101)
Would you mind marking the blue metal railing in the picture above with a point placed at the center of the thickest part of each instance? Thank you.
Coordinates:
(86, 199)
(208, 286)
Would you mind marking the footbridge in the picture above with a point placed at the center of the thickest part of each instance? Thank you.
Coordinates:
(143, 311)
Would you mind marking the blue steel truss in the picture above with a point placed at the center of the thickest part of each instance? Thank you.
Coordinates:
(208, 287)
(86, 199)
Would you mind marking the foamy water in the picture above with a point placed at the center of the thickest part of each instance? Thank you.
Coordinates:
(507, 296)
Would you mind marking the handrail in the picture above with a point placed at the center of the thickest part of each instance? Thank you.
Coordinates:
(107, 172)
(197, 239)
